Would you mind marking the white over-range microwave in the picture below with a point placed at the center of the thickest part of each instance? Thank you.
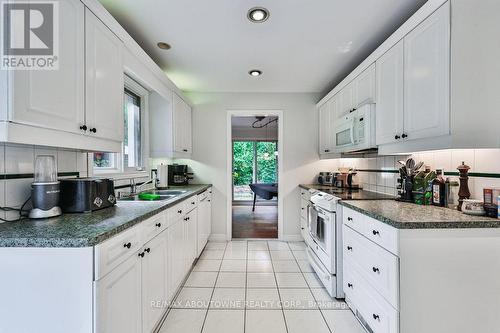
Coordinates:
(355, 132)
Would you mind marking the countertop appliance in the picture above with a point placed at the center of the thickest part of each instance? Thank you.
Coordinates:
(178, 174)
(162, 176)
(45, 189)
(324, 247)
(355, 132)
(79, 195)
(327, 178)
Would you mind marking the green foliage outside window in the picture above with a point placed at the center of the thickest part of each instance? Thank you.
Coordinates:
(243, 162)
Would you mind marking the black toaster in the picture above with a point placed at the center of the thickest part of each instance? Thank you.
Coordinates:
(80, 195)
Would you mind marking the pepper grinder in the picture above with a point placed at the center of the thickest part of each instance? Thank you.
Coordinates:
(463, 191)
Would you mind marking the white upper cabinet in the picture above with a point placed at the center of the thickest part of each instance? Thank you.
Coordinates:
(54, 99)
(182, 126)
(327, 115)
(364, 87)
(104, 80)
(389, 111)
(169, 126)
(427, 77)
(346, 100)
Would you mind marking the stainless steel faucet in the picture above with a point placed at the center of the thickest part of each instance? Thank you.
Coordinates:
(134, 188)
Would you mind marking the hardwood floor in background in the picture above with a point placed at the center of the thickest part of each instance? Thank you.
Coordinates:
(263, 223)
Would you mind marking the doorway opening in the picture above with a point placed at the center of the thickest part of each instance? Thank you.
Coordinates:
(254, 176)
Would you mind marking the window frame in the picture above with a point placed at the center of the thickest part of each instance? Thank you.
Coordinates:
(119, 170)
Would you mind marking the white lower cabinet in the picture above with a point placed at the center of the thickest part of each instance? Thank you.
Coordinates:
(139, 271)
(371, 271)
(118, 306)
(204, 220)
(154, 258)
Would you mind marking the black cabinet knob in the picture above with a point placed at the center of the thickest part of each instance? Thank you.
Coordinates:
(141, 254)
(83, 127)
(185, 150)
(349, 248)
(375, 270)
(327, 150)
(148, 250)
(397, 137)
(376, 317)
(375, 232)
(404, 135)
(93, 130)
(158, 225)
(349, 219)
(349, 285)
(179, 211)
(209, 200)
(192, 203)
(127, 245)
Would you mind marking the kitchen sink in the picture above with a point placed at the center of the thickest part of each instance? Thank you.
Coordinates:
(167, 192)
(137, 198)
(162, 195)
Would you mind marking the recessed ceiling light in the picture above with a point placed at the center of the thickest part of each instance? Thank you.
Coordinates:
(258, 14)
(255, 72)
(164, 46)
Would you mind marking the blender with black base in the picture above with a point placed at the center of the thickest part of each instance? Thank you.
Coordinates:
(45, 189)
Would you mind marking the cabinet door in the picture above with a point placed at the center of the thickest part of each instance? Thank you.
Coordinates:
(55, 98)
(334, 111)
(104, 80)
(187, 124)
(154, 281)
(190, 239)
(324, 129)
(182, 126)
(346, 99)
(364, 85)
(389, 112)
(118, 299)
(176, 254)
(427, 77)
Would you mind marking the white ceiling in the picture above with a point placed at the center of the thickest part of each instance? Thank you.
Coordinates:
(304, 46)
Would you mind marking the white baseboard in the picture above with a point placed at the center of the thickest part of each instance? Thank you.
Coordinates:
(292, 238)
(217, 237)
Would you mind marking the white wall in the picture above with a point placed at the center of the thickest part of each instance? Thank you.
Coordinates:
(300, 145)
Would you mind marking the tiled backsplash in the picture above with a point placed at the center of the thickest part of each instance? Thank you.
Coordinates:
(17, 167)
(380, 175)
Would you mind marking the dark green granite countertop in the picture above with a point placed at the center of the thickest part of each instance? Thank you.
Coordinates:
(403, 215)
(86, 229)
(347, 194)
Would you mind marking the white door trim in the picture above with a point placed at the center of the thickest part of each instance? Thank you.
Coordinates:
(229, 166)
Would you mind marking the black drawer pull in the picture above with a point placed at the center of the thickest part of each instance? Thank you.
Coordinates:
(349, 285)
(158, 225)
(127, 245)
(375, 232)
(404, 135)
(376, 317)
(93, 130)
(192, 203)
(141, 254)
(83, 127)
(179, 211)
(148, 250)
(349, 248)
(397, 137)
(349, 219)
(375, 270)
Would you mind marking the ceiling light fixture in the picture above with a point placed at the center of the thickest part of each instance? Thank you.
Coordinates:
(255, 72)
(164, 46)
(258, 14)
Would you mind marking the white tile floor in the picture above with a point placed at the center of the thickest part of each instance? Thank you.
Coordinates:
(255, 287)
